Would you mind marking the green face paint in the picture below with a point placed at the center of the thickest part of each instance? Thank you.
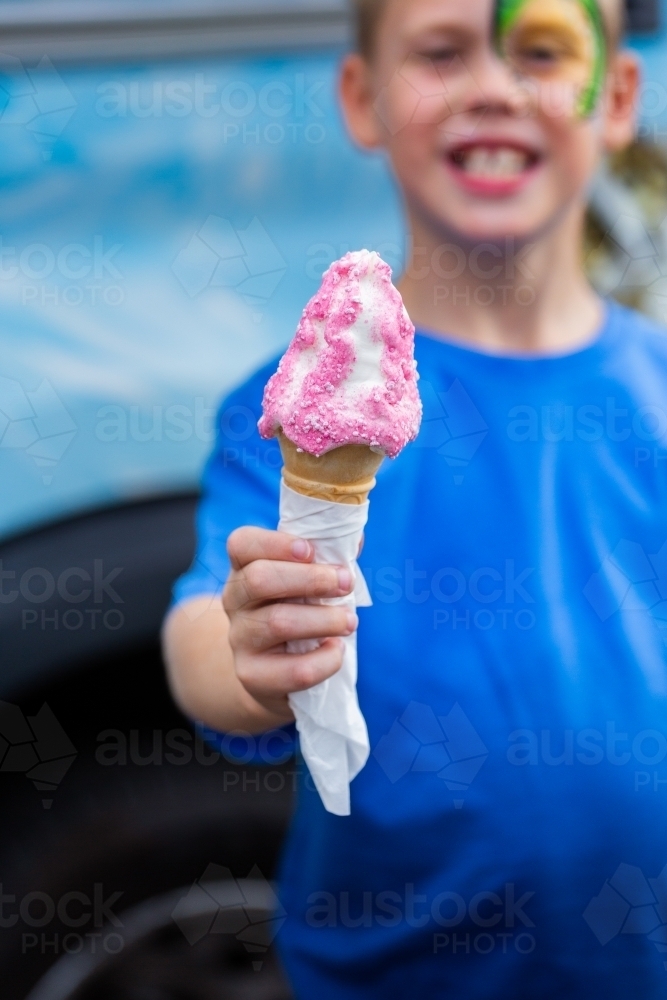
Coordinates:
(557, 41)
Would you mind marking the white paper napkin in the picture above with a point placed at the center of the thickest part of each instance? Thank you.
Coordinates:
(332, 730)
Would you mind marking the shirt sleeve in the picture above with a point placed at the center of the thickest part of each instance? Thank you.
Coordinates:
(241, 485)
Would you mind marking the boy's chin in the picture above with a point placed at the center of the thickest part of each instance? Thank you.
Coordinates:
(496, 226)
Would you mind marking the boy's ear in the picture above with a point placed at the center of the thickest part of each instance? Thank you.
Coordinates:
(621, 92)
(358, 103)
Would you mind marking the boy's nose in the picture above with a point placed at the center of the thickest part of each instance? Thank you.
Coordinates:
(498, 87)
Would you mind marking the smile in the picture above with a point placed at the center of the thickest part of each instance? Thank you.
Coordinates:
(492, 168)
(501, 161)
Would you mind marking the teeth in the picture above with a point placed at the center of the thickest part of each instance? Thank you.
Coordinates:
(503, 161)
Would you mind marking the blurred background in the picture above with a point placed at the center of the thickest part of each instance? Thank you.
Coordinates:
(175, 178)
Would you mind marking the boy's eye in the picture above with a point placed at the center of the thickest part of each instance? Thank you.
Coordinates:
(556, 42)
(545, 49)
(439, 56)
(443, 55)
(541, 54)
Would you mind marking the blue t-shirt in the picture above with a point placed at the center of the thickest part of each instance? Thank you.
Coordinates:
(508, 836)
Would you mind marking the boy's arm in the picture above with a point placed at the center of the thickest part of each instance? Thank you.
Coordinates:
(226, 660)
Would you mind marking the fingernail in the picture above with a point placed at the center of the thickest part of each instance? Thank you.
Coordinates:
(300, 549)
(344, 578)
(352, 621)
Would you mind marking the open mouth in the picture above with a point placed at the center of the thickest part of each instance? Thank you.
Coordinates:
(493, 162)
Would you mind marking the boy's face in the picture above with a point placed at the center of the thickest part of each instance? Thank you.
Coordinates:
(489, 138)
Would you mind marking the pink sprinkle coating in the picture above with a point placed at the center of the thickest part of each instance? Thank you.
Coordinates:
(349, 375)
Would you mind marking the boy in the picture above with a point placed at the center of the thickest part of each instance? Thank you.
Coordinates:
(512, 670)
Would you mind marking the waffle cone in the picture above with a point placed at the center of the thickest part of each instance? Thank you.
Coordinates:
(342, 475)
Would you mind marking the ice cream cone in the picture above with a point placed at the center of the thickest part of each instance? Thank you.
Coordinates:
(342, 475)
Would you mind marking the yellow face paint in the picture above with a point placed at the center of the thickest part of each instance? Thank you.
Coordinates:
(555, 41)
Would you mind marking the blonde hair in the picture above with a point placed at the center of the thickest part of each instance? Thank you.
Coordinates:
(367, 14)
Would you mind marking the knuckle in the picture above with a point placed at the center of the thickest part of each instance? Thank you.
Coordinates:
(227, 592)
(312, 668)
(336, 657)
(255, 576)
(279, 622)
(304, 673)
(246, 632)
(235, 541)
(234, 594)
(245, 677)
(244, 543)
(245, 672)
(236, 631)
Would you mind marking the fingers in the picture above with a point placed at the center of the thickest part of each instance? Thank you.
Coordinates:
(270, 676)
(275, 624)
(245, 545)
(270, 569)
(266, 580)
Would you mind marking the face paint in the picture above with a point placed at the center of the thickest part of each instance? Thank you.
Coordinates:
(556, 41)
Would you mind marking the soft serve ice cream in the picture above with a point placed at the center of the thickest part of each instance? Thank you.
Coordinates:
(349, 375)
(344, 396)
